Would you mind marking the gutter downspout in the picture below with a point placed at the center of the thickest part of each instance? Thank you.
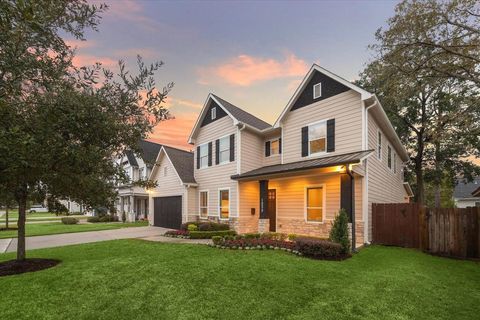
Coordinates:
(366, 196)
(352, 186)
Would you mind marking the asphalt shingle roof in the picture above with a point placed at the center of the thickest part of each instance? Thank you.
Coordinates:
(183, 161)
(464, 190)
(347, 158)
(149, 153)
(242, 115)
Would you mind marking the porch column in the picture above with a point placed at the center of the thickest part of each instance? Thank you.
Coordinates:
(122, 206)
(263, 199)
(132, 209)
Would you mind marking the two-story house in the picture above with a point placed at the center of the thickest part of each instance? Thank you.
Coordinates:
(332, 147)
(133, 200)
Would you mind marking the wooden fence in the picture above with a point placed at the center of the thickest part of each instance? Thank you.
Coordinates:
(449, 232)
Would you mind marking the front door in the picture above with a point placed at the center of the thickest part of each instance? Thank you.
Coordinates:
(272, 209)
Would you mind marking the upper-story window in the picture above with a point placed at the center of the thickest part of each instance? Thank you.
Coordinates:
(389, 157)
(204, 155)
(214, 113)
(317, 137)
(275, 147)
(317, 90)
(140, 173)
(224, 149)
(379, 145)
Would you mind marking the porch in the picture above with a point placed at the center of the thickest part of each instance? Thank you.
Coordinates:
(135, 206)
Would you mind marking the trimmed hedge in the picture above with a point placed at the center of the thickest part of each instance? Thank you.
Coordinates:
(69, 220)
(105, 218)
(93, 219)
(319, 249)
(205, 226)
(210, 234)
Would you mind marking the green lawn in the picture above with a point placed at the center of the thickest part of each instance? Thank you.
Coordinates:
(41, 229)
(135, 279)
(41, 216)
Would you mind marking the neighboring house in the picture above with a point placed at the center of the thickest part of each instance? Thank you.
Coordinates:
(467, 194)
(134, 200)
(175, 195)
(332, 147)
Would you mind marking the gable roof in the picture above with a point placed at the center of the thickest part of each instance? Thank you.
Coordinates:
(149, 151)
(182, 161)
(238, 115)
(465, 189)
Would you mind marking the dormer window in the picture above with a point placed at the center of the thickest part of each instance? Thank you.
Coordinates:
(214, 113)
(317, 90)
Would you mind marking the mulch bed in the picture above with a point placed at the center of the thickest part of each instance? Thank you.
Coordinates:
(12, 267)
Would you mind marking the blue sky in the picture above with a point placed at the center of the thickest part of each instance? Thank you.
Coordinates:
(251, 53)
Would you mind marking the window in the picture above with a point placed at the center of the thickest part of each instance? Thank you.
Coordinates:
(203, 204)
(379, 145)
(317, 137)
(140, 173)
(274, 147)
(394, 162)
(165, 171)
(389, 157)
(204, 155)
(224, 203)
(314, 204)
(317, 90)
(214, 113)
(224, 152)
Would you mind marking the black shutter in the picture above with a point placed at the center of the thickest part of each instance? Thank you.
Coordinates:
(280, 145)
(217, 151)
(198, 157)
(346, 194)
(210, 147)
(304, 141)
(267, 149)
(232, 147)
(331, 135)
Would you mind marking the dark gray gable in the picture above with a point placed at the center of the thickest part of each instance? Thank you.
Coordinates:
(330, 88)
(208, 115)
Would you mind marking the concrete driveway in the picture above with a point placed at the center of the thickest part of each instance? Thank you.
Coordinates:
(59, 240)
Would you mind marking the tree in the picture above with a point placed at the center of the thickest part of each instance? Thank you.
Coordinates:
(437, 116)
(339, 231)
(7, 201)
(61, 126)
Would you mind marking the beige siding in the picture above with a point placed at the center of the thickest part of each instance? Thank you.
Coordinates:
(384, 186)
(273, 159)
(169, 185)
(217, 176)
(345, 108)
(252, 151)
(192, 204)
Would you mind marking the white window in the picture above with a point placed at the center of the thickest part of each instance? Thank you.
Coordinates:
(204, 155)
(165, 171)
(394, 162)
(214, 113)
(379, 145)
(317, 90)
(314, 204)
(224, 150)
(203, 204)
(224, 203)
(275, 147)
(317, 137)
(389, 157)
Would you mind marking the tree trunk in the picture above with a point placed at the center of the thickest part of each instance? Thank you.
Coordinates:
(438, 191)
(6, 217)
(420, 190)
(22, 208)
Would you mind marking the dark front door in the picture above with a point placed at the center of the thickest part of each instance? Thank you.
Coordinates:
(272, 209)
(167, 212)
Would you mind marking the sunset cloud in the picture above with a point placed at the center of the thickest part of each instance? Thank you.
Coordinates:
(175, 132)
(80, 44)
(81, 60)
(245, 70)
(171, 102)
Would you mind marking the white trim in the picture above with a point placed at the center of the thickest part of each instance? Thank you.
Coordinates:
(229, 203)
(365, 204)
(157, 164)
(213, 114)
(283, 141)
(324, 202)
(200, 203)
(364, 94)
(320, 94)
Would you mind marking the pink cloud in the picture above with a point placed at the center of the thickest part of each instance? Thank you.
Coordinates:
(81, 60)
(79, 44)
(175, 132)
(245, 70)
(171, 102)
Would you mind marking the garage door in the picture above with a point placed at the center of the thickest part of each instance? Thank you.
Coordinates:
(167, 212)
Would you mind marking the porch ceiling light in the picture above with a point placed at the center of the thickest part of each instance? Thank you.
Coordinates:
(341, 169)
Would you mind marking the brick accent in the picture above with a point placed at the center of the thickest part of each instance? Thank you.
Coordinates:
(263, 225)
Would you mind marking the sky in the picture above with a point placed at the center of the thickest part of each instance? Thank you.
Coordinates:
(251, 53)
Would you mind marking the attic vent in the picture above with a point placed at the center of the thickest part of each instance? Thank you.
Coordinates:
(214, 113)
(317, 90)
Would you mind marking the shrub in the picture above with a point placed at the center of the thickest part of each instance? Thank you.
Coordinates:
(213, 226)
(274, 236)
(217, 240)
(192, 227)
(176, 233)
(256, 243)
(69, 220)
(319, 249)
(250, 236)
(185, 225)
(93, 219)
(107, 218)
(339, 231)
(293, 237)
(210, 234)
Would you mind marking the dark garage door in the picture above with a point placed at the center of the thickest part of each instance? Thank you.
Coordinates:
(167, 212)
